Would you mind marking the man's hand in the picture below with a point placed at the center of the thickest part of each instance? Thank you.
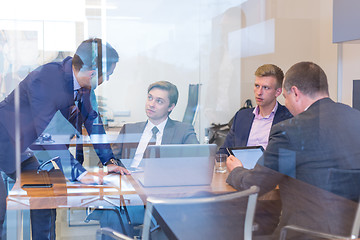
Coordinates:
(92, 177)
(232, 162)
(117, 169)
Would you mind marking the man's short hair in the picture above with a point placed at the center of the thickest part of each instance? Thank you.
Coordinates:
(271, 70)
(89, 56)
(169, 87)
(308, 77)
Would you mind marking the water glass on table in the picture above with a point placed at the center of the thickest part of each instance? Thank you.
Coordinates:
(220, 163)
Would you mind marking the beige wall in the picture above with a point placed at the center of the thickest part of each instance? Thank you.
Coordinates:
(303, 32)
(286, 32)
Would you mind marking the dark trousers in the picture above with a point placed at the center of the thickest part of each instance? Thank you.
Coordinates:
(43, 220)
(2, 205)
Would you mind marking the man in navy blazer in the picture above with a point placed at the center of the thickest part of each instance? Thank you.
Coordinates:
(58, 86)
(314, 157)
(251, 126)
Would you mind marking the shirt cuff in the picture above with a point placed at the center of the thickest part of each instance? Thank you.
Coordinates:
(81, 176)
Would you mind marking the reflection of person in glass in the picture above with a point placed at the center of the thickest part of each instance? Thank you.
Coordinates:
(57, 86)
(317, 150)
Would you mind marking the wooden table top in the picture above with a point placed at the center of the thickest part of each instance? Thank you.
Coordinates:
(69, 194)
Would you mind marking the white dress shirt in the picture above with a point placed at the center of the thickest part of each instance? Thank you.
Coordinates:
(145, 138)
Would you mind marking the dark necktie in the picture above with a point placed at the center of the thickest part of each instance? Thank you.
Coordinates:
(78, 97)
(152, 141)
(75, 109)
(78, 102)
(75, 112)
(154, 131)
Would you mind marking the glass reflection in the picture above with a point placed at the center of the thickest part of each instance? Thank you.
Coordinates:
(215, 44)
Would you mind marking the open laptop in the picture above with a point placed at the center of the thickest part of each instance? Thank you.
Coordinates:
(248, 156)
(178, 165)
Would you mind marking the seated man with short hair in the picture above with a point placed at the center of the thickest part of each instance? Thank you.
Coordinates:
(251, 126)
(134, 139)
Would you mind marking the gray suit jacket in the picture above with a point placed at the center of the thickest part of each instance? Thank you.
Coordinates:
(315, 159)
(175, 132)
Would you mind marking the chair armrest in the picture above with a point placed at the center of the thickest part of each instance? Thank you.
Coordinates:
(111, 233)
(308, 232)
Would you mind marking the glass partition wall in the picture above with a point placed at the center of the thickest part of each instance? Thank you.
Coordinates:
(217, 45)
(214, 44)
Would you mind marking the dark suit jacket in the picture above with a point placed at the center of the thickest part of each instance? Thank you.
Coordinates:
(240, 130)
(318, 148)
(46, 90)
(175, 132)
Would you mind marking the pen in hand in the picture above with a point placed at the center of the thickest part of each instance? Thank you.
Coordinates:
(227, 149)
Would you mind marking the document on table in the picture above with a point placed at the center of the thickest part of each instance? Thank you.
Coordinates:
(114, 180)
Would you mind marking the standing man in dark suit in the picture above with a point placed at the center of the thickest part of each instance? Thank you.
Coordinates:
(134, 137)
(251, 126)
(316, 148)
(57, 86)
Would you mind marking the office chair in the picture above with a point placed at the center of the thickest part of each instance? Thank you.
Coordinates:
(251, 193)
(192, 105)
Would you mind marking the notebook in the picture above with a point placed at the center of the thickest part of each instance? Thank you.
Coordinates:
(248, 156)
(178, 165)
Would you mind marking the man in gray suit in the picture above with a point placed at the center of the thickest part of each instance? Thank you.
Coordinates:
(313, 157)
(134, 137)
(133, 140)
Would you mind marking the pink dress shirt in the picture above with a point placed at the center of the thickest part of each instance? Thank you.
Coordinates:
(260, 129)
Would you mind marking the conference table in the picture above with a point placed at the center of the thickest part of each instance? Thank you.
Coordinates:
(126, 191)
